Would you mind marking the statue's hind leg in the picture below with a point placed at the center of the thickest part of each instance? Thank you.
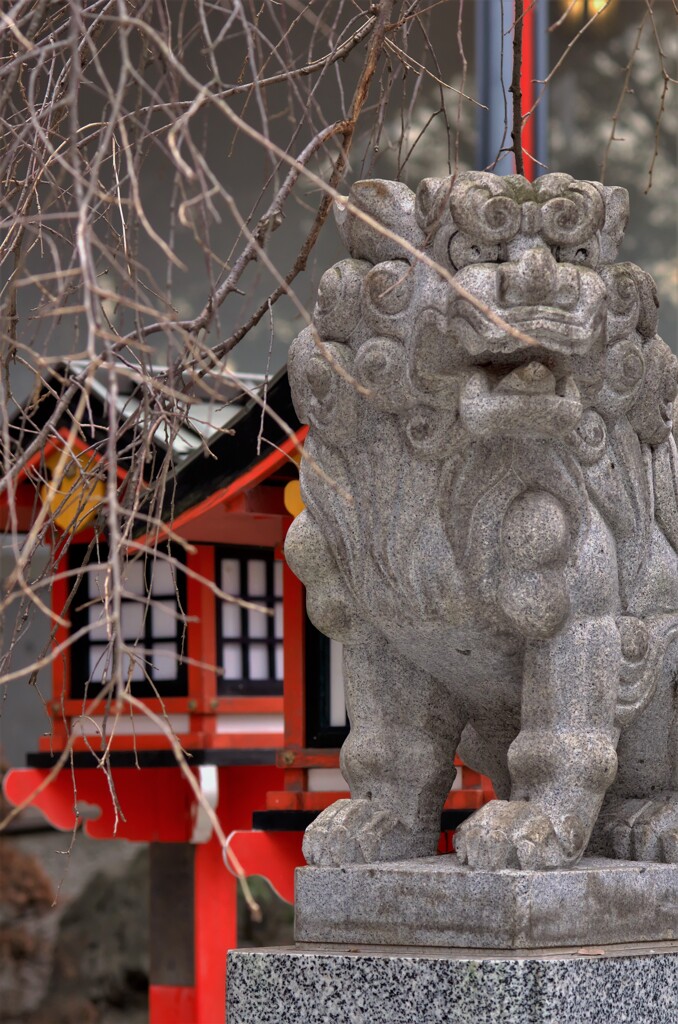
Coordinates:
(639, 818)
(397, 760)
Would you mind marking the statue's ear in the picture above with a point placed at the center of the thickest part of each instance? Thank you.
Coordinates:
(432, 194)
(649, 303)
(388, 203)
(616, 218)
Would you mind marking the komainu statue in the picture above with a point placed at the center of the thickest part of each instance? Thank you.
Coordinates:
(491, 523)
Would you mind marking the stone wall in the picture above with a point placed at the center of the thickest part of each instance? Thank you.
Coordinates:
(74, 929)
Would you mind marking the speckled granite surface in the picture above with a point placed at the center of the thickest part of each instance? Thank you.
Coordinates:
(314, 986)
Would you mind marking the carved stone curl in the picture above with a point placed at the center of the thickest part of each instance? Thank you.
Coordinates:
(505, 577)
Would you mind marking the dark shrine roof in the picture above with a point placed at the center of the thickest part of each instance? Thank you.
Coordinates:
(216, 443)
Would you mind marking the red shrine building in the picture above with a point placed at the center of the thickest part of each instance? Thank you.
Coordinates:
(251, 691)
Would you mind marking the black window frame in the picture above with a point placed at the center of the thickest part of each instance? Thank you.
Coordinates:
(81, 686)
(319, 732)
(246, 687)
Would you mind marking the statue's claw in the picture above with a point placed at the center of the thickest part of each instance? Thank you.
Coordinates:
(363, 832)
(641, 829)
(517, 834)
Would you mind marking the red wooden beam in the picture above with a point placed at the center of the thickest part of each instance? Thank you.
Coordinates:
(171, 1004)
(247, 481)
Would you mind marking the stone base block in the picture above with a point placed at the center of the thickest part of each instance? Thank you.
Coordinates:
(438, 902)
(371, 986)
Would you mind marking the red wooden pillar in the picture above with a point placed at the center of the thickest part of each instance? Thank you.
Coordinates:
(216, 930)
(201, 639)
(527, 87)
(194, 922)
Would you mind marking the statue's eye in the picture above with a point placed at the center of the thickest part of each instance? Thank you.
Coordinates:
(586, 255)
(463, 251)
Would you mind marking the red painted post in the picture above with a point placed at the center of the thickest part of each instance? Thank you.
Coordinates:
(527, 88)
(216, 931)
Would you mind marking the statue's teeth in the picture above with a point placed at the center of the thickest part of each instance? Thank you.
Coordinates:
(533, 379)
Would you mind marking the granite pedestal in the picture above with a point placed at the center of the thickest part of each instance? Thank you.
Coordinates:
(434, 942)
(350, 985)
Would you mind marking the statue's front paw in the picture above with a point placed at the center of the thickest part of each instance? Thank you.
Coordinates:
(517, 834)
(640, 829)
(363, 832)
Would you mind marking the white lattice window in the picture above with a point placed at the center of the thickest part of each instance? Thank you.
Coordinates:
(151, 628)
(251, 639)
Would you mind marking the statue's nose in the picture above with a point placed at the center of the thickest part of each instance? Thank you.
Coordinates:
(530, 280)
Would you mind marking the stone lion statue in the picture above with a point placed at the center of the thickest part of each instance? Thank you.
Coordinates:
(491, 523)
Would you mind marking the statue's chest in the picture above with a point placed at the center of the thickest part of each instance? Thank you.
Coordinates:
(471, 661)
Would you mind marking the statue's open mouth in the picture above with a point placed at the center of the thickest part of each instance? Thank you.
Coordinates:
(529, 401)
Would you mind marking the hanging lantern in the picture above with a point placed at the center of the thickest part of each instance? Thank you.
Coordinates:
(75, 498)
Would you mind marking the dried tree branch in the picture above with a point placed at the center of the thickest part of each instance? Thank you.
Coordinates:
(516, 89)
(132, 266)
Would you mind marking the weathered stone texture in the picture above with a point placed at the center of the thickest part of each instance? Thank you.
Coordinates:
(491, 482)
(435, 901)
